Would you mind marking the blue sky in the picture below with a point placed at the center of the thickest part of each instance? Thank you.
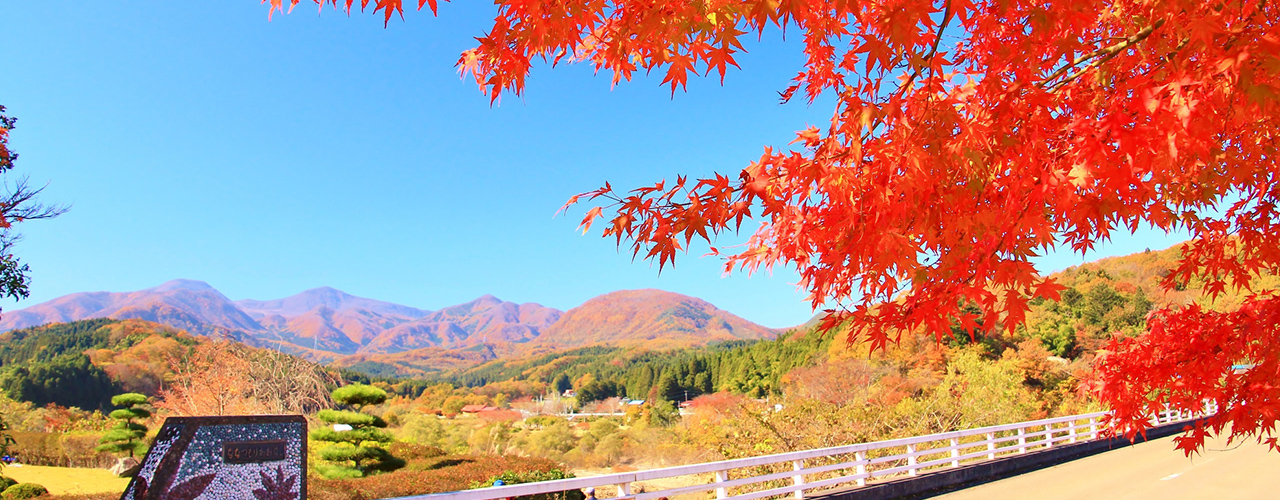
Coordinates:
(198, 140)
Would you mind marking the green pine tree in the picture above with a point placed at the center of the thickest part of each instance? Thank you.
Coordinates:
(126, 436)
(359, 451)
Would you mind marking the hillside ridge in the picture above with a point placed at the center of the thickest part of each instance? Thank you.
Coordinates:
(327, 324)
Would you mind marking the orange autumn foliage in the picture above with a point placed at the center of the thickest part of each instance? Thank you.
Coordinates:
(210, 380)
(968, 137)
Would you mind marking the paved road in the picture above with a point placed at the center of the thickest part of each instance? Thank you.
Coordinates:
(1148, 470)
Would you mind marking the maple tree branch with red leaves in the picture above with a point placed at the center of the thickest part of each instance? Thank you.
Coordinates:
(1096, 58)
(936, 190)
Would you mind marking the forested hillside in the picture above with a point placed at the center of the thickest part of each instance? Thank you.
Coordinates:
(65, 364)
(1114, 295)
(83, 364)
(749, 367)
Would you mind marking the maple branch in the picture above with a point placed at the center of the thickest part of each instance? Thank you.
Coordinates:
(933, 51)
(937, 41)
(1099, 57)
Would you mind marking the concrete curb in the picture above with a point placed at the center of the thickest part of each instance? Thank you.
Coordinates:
(937, 483)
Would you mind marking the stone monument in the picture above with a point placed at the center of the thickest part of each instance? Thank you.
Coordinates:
(232, 458)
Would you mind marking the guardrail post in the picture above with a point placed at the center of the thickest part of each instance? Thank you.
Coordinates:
(861, 457)
(991, 446)
(1073, 430)
(911, 460)
(798, 479)
(1048, 435)
(624, 490)
(722, 476)
(1022, 440)
(955, 452)
(1093, 428)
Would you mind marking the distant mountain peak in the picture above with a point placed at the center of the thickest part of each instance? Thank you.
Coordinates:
(182, 284)
(652, 317)
(326, 291)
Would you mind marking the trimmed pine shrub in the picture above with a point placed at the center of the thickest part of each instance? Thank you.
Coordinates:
(23, 491)
(359, 450)
(126, 436)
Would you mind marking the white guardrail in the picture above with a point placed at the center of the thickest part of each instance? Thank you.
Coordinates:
(795, 472)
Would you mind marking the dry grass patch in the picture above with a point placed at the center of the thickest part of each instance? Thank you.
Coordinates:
(68, 480)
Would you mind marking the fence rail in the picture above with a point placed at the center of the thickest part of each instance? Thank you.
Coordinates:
(796, 472)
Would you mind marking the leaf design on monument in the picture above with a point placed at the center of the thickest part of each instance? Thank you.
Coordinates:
(189, 489)
(277, 488)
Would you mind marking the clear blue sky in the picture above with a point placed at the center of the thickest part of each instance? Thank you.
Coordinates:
(197, 140)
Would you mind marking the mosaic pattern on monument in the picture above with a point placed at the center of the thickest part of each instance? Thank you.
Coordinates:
(251, 458)
(151, 462)
(277, 479)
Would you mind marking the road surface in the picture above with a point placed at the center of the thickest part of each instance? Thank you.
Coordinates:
(1149, 470)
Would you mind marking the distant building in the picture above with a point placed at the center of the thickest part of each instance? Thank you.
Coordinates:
(478, 408)
(635, 402)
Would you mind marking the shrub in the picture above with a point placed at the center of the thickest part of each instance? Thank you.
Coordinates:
(58, 449)
(461, 472)
(6, 482)
(521, 477)
(23, 491)
(535, 476)
(413, 451)
(359, 451)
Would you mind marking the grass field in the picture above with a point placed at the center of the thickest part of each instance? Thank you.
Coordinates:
(66, 480)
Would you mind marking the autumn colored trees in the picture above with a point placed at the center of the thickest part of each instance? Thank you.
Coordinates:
(221, 377)
(967, 137)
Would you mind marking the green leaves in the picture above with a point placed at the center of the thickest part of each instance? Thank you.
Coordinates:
(348, 451)
(127, 435)
(359, 395)
(130, 399)
(350, 418)
(354, 436)
(357, 451)
(130, 413)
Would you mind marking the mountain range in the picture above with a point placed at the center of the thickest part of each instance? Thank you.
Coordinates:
(329, 325)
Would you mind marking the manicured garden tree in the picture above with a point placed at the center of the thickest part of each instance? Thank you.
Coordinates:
(358, 443)
(126, 436)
